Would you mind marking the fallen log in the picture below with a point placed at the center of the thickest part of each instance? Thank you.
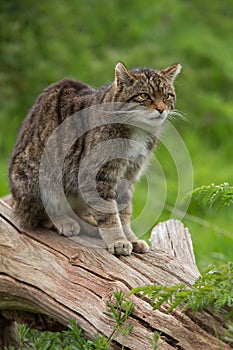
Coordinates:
(47, 279)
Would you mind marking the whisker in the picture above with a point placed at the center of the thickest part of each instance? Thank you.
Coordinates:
(176, 114)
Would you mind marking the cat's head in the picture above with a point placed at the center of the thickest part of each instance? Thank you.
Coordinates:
(152, 90)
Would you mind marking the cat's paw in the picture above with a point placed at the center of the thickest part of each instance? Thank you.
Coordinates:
(67, 227)
(120, 248)
(140, 246)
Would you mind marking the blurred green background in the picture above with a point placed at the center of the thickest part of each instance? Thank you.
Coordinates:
(43, 42)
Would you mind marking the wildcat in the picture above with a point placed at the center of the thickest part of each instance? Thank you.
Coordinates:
(149, 96)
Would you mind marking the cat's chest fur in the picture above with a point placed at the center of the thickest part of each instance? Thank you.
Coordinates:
(138, 151)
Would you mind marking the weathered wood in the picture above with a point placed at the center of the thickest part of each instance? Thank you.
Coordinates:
(174, 239)
(46, 279)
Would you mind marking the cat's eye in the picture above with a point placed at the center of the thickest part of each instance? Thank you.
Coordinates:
(169, 96)
(144, 96)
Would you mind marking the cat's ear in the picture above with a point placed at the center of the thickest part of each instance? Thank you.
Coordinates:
(122, 75)
(171, 72)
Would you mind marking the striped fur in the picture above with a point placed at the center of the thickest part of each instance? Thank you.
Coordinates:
(149, 89)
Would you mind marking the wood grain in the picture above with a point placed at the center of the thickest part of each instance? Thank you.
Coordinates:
(47, 279)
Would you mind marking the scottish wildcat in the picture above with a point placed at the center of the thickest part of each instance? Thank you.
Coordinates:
(148, 96)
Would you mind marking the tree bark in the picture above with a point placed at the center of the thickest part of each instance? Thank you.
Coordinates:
(47, 279)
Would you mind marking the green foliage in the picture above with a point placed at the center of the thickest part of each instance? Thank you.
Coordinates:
(71, 339)
(120, 313)
(229, 333)
(218, 195)
(158, 295)
(155, 342)
(214, 289)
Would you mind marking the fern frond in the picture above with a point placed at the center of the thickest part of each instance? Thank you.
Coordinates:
(213, 289)
(214, 195)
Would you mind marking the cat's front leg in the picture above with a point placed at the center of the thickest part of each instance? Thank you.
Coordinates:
(110, 229)
(125, 211)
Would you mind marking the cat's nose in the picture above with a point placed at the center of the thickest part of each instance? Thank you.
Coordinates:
(160, 107)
